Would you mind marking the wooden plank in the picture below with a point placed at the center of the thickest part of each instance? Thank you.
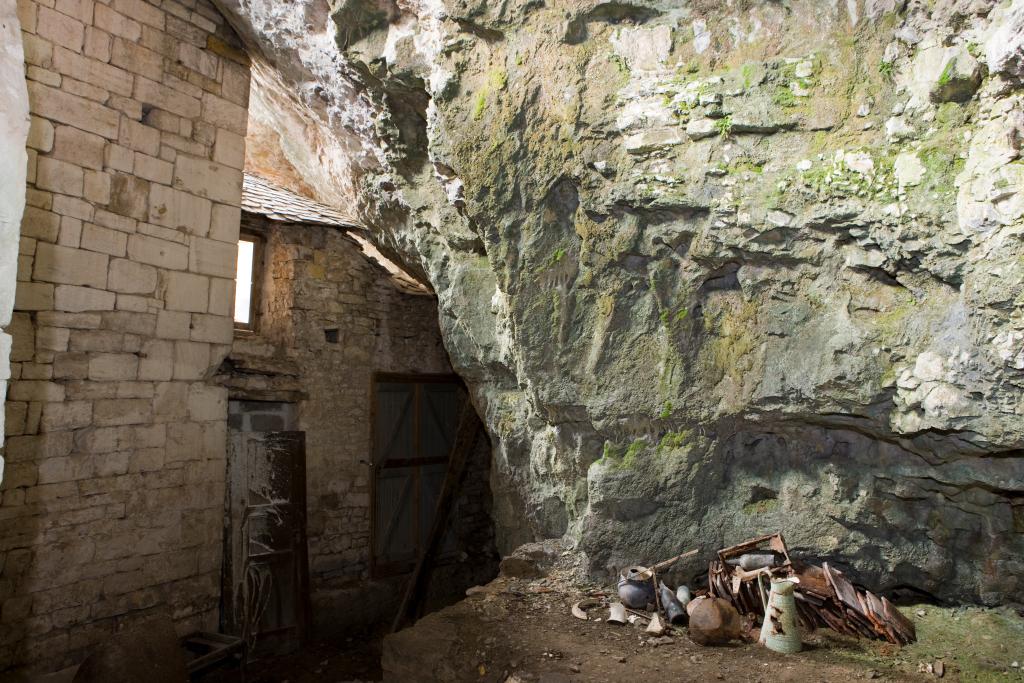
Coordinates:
(385, 541)
(774, 541)
(809, 598)
(876, 623)
(393, 430)
(413, 462)
(809, 620)
(860, 623)
(465, 439)
(835, 621)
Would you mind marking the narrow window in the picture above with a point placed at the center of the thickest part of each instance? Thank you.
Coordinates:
(245, 283)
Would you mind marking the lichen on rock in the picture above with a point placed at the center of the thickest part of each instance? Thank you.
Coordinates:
(788, 231)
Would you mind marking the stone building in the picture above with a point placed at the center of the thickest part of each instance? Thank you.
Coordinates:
(335, 321)
(125, 356)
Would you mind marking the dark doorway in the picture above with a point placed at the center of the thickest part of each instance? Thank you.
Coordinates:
(414, 422)
(266, 595)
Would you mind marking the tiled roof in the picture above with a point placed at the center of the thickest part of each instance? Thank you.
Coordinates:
(263, 197)
(276, 203)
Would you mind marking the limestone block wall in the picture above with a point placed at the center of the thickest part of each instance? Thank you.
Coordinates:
(13, 132)
(317, 279)
(112, 500)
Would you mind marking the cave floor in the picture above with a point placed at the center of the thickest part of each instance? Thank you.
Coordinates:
(524, 636)
(520, 628)
(321, 660)
(534, 638)
(513, 631)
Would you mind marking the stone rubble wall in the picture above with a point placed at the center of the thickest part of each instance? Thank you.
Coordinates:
(317, 279)
(112, 499)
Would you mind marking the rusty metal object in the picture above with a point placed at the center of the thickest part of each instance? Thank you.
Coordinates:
(773, 542)
(824, 597)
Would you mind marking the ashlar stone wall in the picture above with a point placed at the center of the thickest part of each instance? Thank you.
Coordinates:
(14, 125)
(317, 279)
(112, 501)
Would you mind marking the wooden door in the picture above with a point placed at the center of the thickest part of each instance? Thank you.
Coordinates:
(413, 431)
(266, 592)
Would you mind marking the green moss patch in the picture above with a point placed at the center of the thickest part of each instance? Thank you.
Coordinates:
(973, 643)
(761, 507)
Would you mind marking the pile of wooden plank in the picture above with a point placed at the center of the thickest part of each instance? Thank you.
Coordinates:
(824, 596)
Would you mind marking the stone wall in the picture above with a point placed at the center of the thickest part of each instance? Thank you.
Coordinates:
(13, 133)
(112, 501)
(317, 279)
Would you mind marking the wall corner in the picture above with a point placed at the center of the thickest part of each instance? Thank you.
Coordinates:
(14, 124)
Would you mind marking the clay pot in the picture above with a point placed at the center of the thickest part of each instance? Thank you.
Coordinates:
(636, 587)
(714, 621)
(692, 605)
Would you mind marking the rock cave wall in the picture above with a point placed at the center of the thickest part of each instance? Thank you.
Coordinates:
(711, 269)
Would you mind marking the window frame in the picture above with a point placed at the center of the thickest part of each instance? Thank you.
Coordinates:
(256, 291)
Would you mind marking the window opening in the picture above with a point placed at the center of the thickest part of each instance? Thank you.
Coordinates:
(246, 282)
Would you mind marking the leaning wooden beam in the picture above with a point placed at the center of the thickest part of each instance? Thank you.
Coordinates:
(465, 440)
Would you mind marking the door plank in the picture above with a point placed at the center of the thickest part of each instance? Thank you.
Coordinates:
(399, 509)
(266, 580)
(393, 431)
(465, 440)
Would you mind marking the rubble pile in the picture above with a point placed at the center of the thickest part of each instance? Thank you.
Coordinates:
(825, 598)
(754, 582)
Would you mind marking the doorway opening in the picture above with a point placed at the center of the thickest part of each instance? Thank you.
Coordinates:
(266, 578)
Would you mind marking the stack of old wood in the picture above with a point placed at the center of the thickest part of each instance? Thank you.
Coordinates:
(824, 597)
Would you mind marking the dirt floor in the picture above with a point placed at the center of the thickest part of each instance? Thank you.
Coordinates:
(520, 628)
(537, 640)
(352, 659)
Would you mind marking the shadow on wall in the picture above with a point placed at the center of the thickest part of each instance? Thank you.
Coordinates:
(350, 607)
(881, 513)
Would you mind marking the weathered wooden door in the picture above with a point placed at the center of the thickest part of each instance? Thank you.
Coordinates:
(415, 419)
(265, 591)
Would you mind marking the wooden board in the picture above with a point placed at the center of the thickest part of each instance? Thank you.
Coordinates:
(465, 439)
